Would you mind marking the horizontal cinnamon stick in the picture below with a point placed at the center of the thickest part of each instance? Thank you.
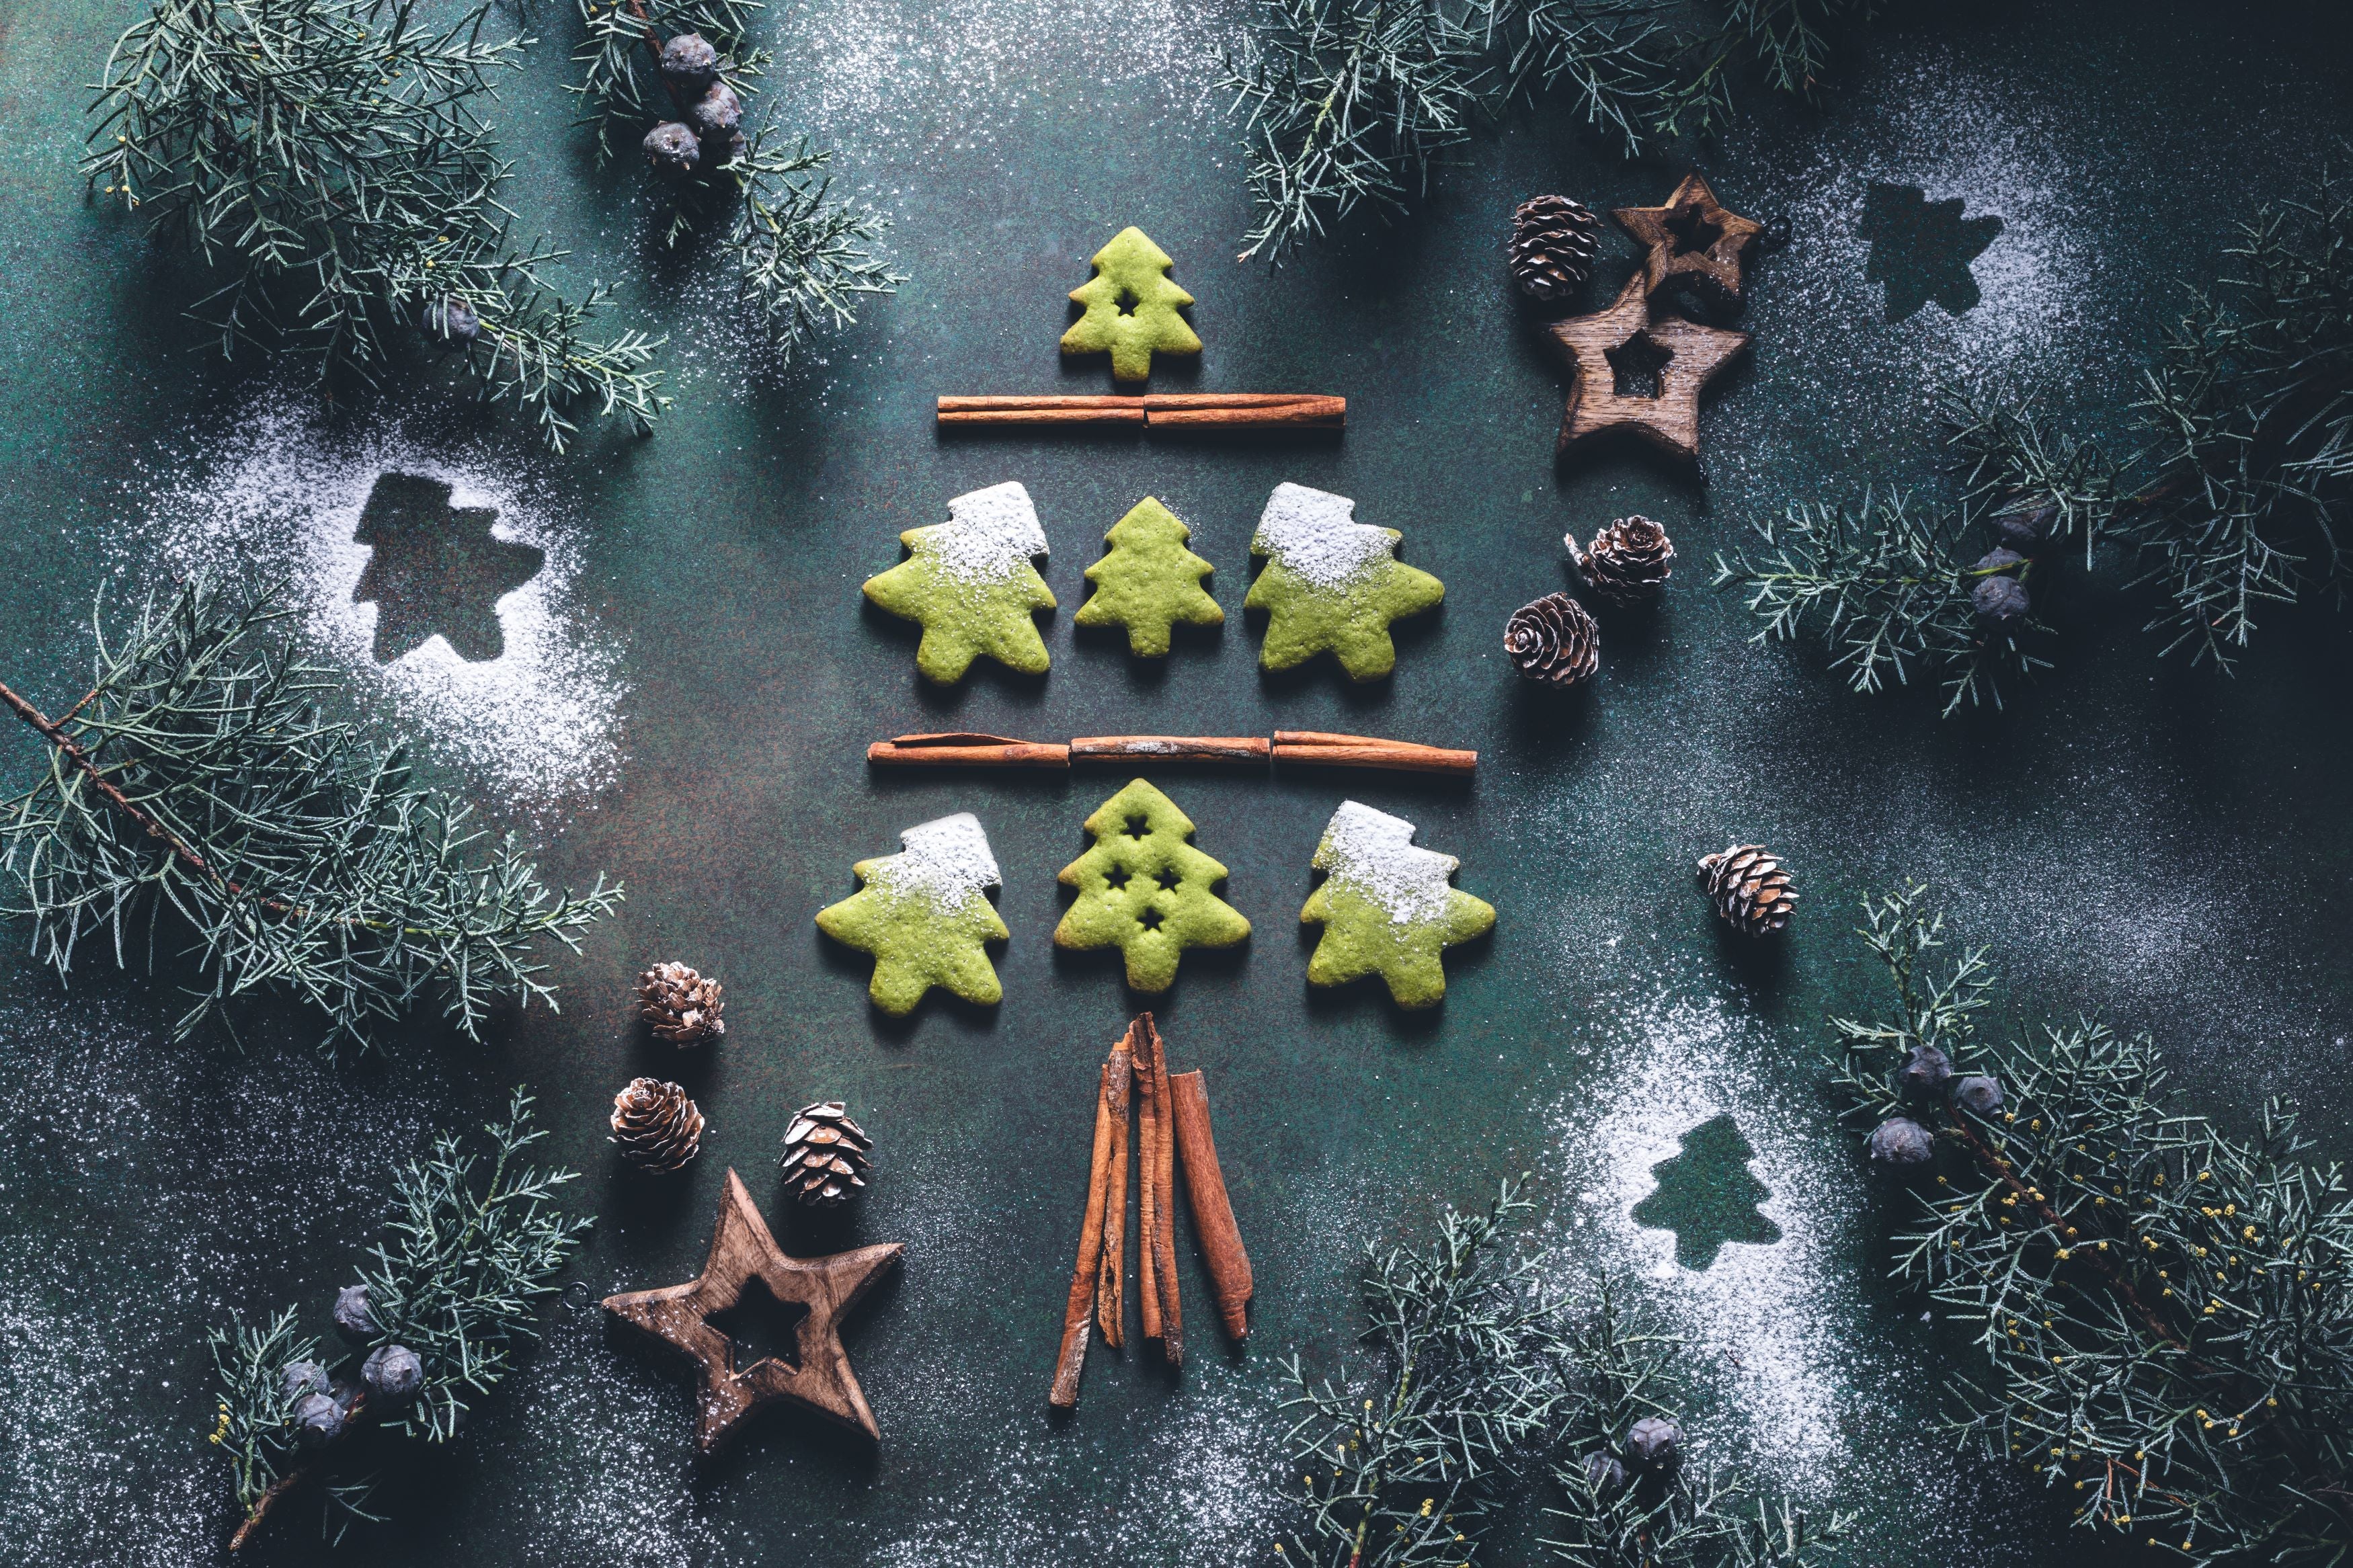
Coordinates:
(1171, 748)
(1297, 746)
(1230, 410)
(1213, 1211)
(1079, 1311)
(968, 751)
(1323, 749)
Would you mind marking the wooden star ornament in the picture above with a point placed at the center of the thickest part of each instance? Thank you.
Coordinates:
(742, 1251)
(1668, 418)
(1694, 236)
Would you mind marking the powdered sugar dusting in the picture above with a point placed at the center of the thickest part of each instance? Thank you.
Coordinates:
(1312, 533)
(1792, 1391)
(990, 535)
(1374, 854)
(946, 860)
(278, 498)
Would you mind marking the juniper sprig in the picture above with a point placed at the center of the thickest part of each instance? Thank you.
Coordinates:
(1616, 1514)
(471, 1258)
(1888, 585)
(326, 165)
(1401, 1462)
(200, 795)
(2165, 1311)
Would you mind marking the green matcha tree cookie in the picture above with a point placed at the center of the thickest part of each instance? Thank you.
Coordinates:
(924, 915)
(1144, 890)
(1150, 581)
(1331, 584)
(969, 581)
(1386, 907)
(1130, 308)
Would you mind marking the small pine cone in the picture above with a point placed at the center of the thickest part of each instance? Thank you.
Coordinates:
(681, 1005)
(715, 116)
(1629, 561)
(1750, 888)
(657, 1126)
(1554, 640)
(826, 1155)
(1551, 250)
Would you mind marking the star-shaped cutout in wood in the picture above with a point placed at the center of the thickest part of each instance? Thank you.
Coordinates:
(1592, 347)
(742, 1251)
(1694, 236)
(436, 568)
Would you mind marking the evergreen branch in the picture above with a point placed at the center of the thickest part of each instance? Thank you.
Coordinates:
(1349, 105)
(801, 258)
(1888, 586)
(326, 163)
(200, 785)
(466, 1269)
(1617, 1515)
(461, 1282)
(2166, 1311)
(1399, 1467)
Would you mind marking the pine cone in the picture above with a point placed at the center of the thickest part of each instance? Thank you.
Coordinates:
(1750, 888)
(657, 1126)
(1554, 640)
(826, 1154)
(1553, 240)
(681, 1006)
(1627, 560)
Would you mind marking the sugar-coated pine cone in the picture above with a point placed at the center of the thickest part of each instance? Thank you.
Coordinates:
(1552, 245)
(1554, 640)
(1629, 561)
(826, 1155)
(1749, 887)
(657, 1126)
(681, 1005)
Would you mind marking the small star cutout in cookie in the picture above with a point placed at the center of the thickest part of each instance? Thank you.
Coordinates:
(823, 1290)
(1597, 348)
(436, 568)
(1694, 237)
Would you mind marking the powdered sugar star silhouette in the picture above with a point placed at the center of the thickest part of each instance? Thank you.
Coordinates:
(1922, 249)
(436, 568)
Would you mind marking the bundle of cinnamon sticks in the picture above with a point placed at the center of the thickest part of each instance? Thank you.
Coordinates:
(1172, 1118)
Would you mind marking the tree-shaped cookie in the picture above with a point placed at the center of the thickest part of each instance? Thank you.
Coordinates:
(971, 584)
(1130, 308)
(1149, 581)
(1332, 584)
(1144, 890)
(1386, 907)
(924, 915)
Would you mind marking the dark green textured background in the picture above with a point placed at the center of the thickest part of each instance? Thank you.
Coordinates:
(2135, 837)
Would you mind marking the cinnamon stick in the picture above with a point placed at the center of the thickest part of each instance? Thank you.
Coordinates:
(1171, 748)
(962, 748)
(1072, 1358)
(1111, 1289)
(1320, 747)
(1147, 1196)
(1225, 410)
(1213, 1214)
(1160, 1168)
